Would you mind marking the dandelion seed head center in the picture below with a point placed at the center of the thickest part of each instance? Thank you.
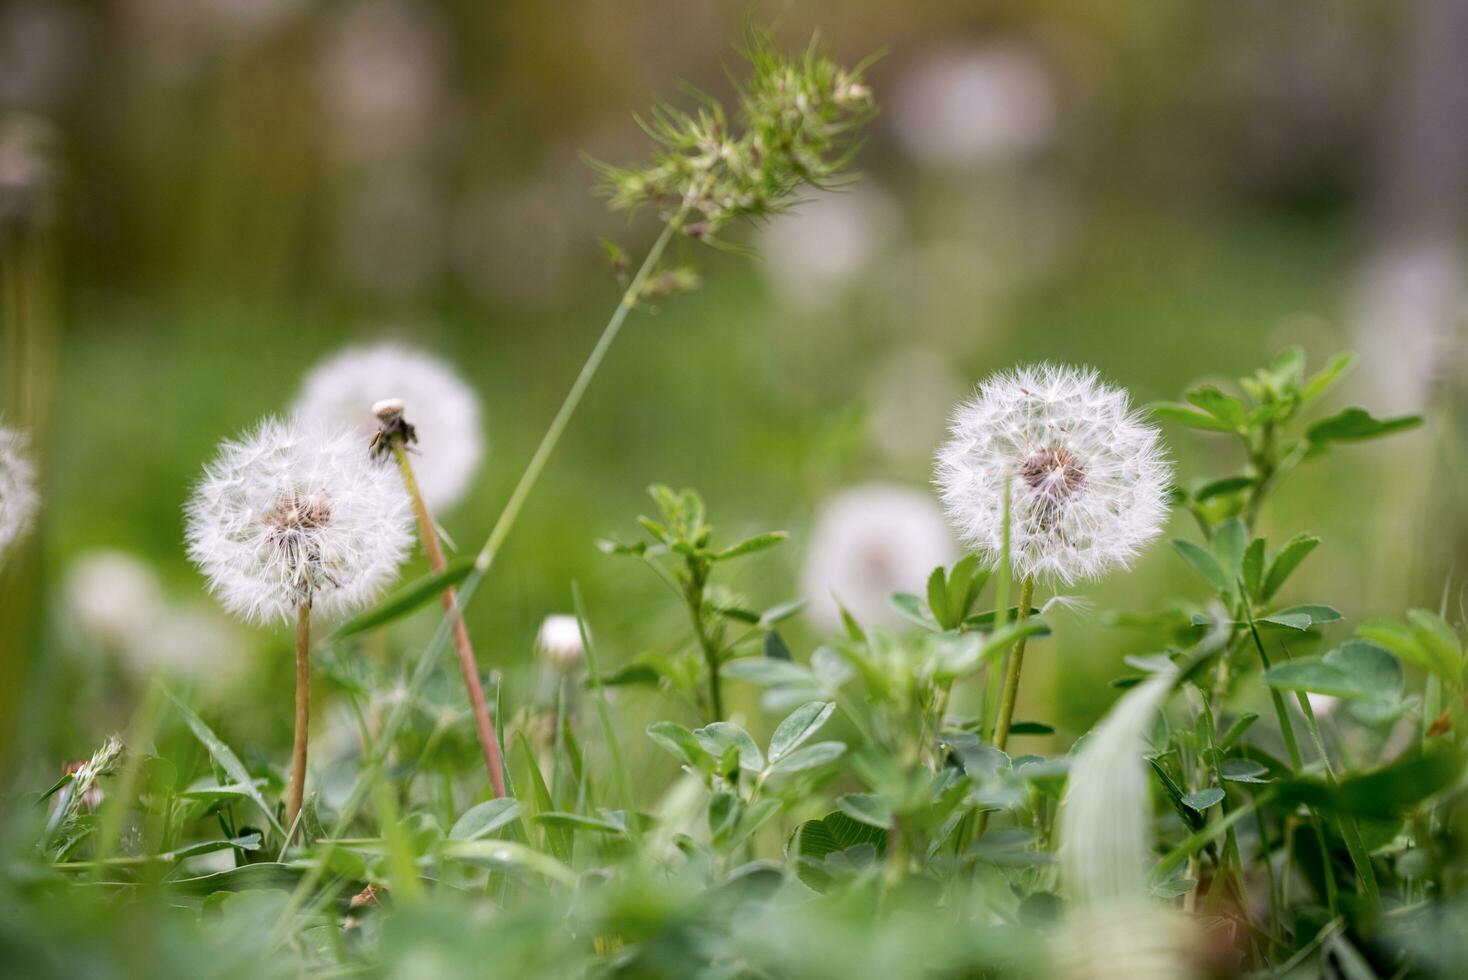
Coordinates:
(1053, 472)
(296, 514)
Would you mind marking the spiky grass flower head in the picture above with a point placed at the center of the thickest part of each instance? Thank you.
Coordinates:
(290, 514)
(796, 123)
(18, 499)
(1086, 476)
(444, 412)
(559, 642)
(870, 541)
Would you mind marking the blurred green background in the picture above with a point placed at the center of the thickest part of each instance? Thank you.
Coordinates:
(202, 198)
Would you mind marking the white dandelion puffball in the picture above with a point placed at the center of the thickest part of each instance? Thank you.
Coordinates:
(18, 497)
(289, 514)
(1087, 477)
(559, 642)
(868, 542)
(114, 598)
(442, 409)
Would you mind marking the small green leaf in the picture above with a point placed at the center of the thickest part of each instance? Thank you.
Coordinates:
(1355, 424)
(511, 856)
(721, 736)
(1229, 539)
(1439, 639)
(407, 599)
(782, 612)
(938, 597)
(837, 832)
(1223, 487)
(1406, 641)
(866, 808)
(911, 607)
(1219, 404)
(1204, 798)
(768, 672)
(1203, 563)
(1328, 376)
(679, 741)
(801, 724)
(1384, 794)
(1252, 567)
(808, 757)
(483, 819)
(775, 648)
(225, 757)
(1286, 561)
(1240, 770)
(750, 545)
(1357, 671)
(1189, 416)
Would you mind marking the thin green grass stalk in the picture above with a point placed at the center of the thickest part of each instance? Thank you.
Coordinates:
(407, 886)
(1350, 830)
(614, 747)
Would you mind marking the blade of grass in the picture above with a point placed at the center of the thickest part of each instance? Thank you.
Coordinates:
(614, 747)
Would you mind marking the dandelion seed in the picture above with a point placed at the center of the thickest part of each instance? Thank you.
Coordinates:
(559, 643)
(869, 542)
(444, 411)
(289, 515)
(18, 499)
(1087, 476)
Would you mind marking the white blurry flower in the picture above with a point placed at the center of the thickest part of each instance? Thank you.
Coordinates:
(1408, 303)
(1322, 704)
(437, 403)
(1132, 940)
(291, 514)
(869, 542)
(559, 642)
(381, 80)
(114, 598)
(18, 499)
(991, 103)
(811, 253)
(1087, 477)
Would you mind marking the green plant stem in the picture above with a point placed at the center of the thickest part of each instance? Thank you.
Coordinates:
(297, 790)
(552, 437)
(468, 664)
(1015, 665)
(694, 600)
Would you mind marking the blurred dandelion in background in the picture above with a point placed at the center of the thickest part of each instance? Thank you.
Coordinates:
(813, 254)
(868, 542)
(18, 497)
(121, 609)
(441, 407)
(993, 103)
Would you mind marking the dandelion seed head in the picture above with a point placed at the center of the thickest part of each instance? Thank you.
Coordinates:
(347, 388)
(114, 598)
(1087, 476)
(559, 642)
(290, 514)
(868, 542)
(18, 499)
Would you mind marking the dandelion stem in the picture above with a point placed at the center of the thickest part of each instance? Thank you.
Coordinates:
(1016, 663)
(468, 665)
(303, 713)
